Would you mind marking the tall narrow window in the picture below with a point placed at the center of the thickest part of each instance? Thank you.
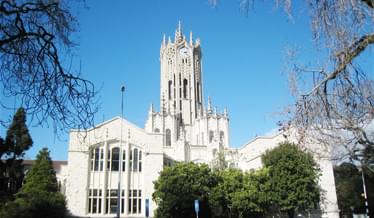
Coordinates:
(115, 159)
(135, 201)
(130, 163)
(211, 135)
(168, 137)
(92, 157)
(108, 163)
(97, 157)
(222, 137)
(185, 83)
(169, 88)
(198, 92)
(111, 201)
(135, 160)
(124, 160)
(94, 200)
(101, 159)
(140, 161)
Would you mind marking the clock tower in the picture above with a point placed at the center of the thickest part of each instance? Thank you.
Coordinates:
(181, 83)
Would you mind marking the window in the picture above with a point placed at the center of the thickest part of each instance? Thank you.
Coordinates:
(124, 160)
(169, 88)
(115, 159)
(135, 201)
(211, 135)
(198, 92)
(94, 200)
(111, 201)
(168, 137)
(101, 159)
(130, 167)
(185, 83)
(135, 160)
(97, 157)
(140, 161)
(221, 137)
(108, 163)
(157, 130)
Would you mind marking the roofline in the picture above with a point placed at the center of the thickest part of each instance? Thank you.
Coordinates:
(260, 137)
(106, 122)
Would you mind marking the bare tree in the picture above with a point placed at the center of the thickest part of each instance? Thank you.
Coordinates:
(35, 47)
(335, 100)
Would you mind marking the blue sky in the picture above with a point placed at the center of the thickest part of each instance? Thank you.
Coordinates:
(243, 60)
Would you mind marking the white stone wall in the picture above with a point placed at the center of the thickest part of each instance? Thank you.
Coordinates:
(107, 135)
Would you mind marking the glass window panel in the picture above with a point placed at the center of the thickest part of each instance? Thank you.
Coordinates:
(89, 205)
(140, 206)
(113, 205)
(115, 159)
(113, 192)
(94, 205)
(135, 160)
(134, 205)
(99, 211)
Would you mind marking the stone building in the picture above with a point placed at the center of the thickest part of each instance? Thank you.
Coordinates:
(118, 155)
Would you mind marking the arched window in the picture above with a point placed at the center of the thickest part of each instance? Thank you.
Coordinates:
(115, 159)
(136, 160)
(221, 137)
(168, 137)
(169, 88)
(185, 83)
(211, 135)
(124, 160)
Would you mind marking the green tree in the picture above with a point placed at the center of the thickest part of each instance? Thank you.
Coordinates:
(349, 188)
(293, 178)
(230, 182)
(253, 199)
(17, 141)
(39, 196)
(177, 188)
(348, 184)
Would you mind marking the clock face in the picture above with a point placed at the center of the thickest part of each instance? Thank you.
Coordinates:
(183, 52)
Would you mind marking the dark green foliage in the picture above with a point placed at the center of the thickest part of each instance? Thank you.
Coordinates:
(12, 150)
(39, 196)
(252, 200)
(230, 181)
(178, 187)
(293, 178)
(349, 189)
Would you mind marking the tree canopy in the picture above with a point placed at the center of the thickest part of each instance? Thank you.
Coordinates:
(12, 150)
(178, 186)
(293, 178)
(39, 196)
(35, 45)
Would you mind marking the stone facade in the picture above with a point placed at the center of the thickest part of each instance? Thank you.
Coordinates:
(117, 153)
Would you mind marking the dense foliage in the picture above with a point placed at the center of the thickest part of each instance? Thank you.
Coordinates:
(349, 189)
(39, 196)
(12, 150)
(234, 193)
(293, 178)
